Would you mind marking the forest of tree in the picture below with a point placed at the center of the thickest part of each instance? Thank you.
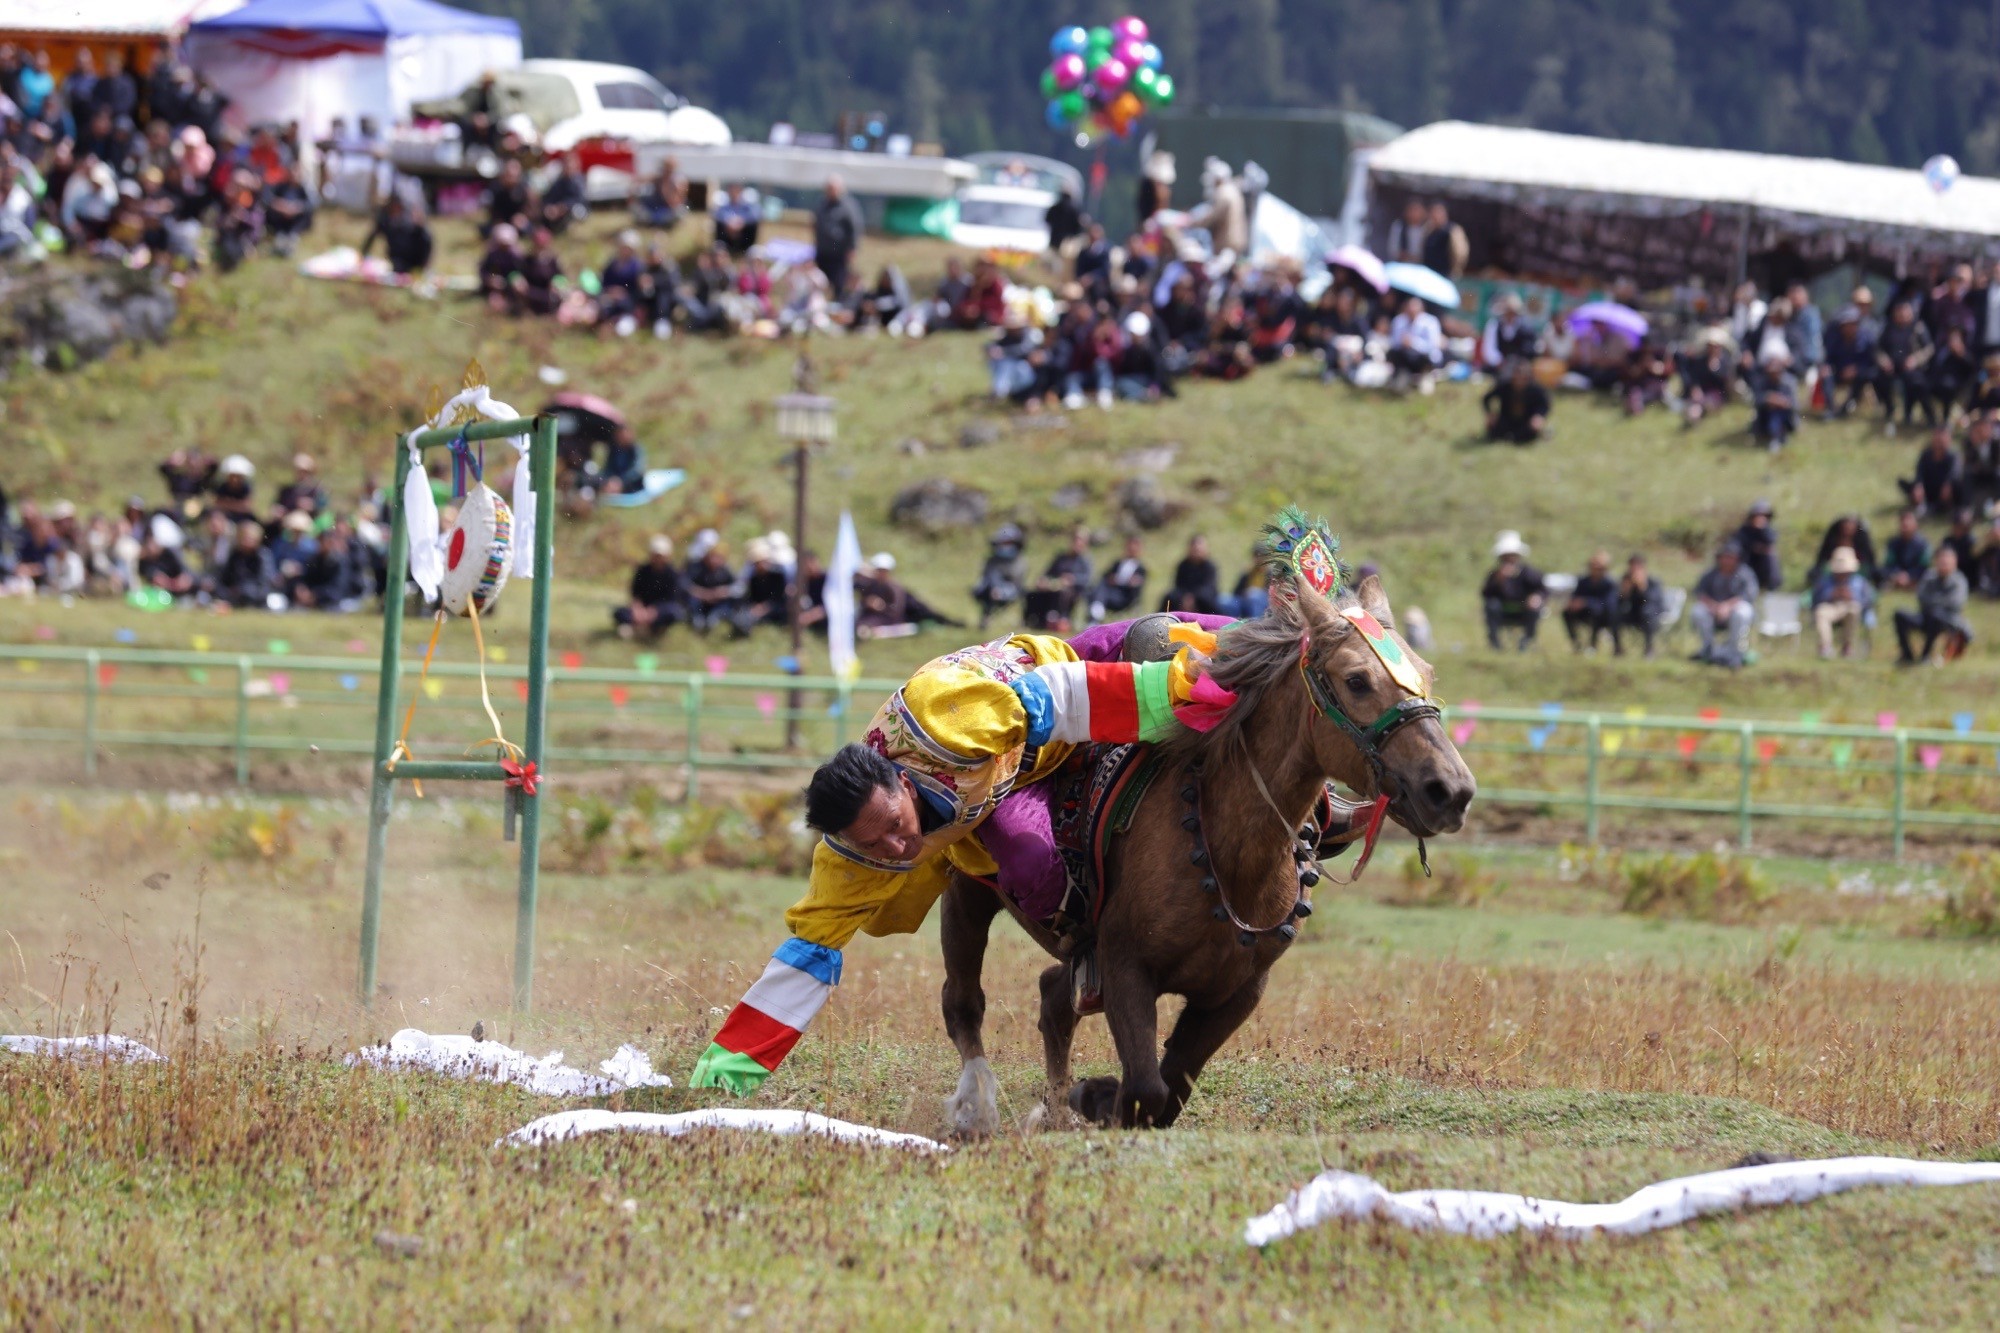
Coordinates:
(1871, 80)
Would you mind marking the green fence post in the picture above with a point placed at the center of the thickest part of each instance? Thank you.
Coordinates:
(381, 786)
(90, 661)
(243, 721)
(541, 462)
(1596, 738)
(1745, 749)
(691, 705)
(1896, 811)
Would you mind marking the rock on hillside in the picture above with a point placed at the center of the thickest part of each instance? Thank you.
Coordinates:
(62, 318)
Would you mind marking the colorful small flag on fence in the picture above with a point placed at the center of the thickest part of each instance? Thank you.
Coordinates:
(572, 659)
(1552, 710)
(521, 690)
(767, 704)
(496, 654)
(106, 673)
(1710, 715)
(1843, 753)
(647, 662)
(357, 645)
(1461, 732)
(1930, 756)
(1686, 743)
(1885, 721)
(787, 664)
(1539, 736)
(1767, 750)
(45, 632)
(433, 689)
(198, 675)
(125, 635)
(277, 647)
(1962, 723)
(280, 683)
(620, 696)
(1809, 718)
(718, 665)
(1611, 742)
(200, 642)
(350, 683)
(28, 665)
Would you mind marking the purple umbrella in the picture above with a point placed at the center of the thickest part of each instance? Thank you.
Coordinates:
(1609, 315)
(1362, 265)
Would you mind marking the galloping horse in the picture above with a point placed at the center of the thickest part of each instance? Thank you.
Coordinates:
(1202, 889)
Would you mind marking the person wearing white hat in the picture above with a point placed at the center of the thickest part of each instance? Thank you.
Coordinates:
(303, 491)
(712, 586)
(235, 484)
(1842, 599)
(1513, 593)
(766, 586)
(656, 599)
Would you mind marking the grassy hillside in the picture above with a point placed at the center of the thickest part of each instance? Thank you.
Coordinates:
(268, 362)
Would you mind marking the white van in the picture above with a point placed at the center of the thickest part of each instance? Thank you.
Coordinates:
(619, 102)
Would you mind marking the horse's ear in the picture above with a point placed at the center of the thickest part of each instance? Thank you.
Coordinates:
(1374, 601)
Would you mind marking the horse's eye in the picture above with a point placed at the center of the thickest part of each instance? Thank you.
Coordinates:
(1359, 684)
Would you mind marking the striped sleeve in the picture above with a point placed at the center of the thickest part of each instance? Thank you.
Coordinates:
(1105, 702)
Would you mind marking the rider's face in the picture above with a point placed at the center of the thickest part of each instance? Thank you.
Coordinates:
(887, 827)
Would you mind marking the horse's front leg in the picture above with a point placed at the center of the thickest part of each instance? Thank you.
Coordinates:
(1197, 1036)
(964, 924)
(1131, 1007)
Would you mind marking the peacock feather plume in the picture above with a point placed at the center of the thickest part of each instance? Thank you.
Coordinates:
(1302, 549)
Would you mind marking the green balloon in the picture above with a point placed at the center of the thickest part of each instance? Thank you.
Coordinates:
(1072, 104)
(1100, 40)
(1049, 89)
(1163, 89)
(1145, 82)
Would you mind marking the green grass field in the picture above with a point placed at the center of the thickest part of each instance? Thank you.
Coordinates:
(1540, 1041)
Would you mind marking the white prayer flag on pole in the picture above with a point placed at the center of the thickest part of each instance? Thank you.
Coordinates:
(839, 600)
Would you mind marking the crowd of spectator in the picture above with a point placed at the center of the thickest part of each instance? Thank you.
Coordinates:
(139, 169)
(211, 541)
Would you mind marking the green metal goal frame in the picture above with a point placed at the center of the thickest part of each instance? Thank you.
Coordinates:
(541, 462)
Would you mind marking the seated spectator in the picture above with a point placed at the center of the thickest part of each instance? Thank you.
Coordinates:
(1646, 377)
(737, 220)
(161, 567)
(1776, 390)
(709, 583)
(1508, 337)
(247, 577)
(1122, 585)
(1725, 607)
(664, 200)
(541, 274)
(1141, 374)
(618, 286)
(1937, 484)
(508, 200)
(766, 588)
(1851, 531)
(1336, 329)
(885, 608)
(1592, 608)
(565, 202)
(1757, 545)
(1980, 453)
(985, 302)
(500, 271)
(336, 576)
(1940, 613)
(1004, 573)
(624, 468)
(950, 305)
(1949, 377)
(188, 473)
(662, 292)
(1273, 324)
(288, 211)
(1641, 605)
(809, 301)
(1513, 593)
(1226, 355)
(1850, 360)
(881, 304)
(291, 546)
(1985, 576)
(1416, 345)
(710, 291)
(303, 492)
(655, 600)
(1708, 370)
(1011, 357)
(1251, 596)
(1901, 353)
(1842, 600)
(406, 237)
(1197, 582)
(1986, 391)
(1078, 348)
(235, 485)
(1906, 555)
(1517, 408)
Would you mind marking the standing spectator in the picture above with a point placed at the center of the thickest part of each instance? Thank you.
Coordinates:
(1641, 604)
(1513, 593)
(1941, 598)
(1901, 354)
(1004, 573)
(1757, 545)
(1592, 608)
(1517, 408)
(1197, 582)
(1407, 234)
(1937, 485)
(1156, 185)
(1416, 344)
(1120, 588)
(1445, 246)
(736, 222)
(1746, 316)
(1065, 220)
(1906, 555)
(1950, 308)
(1725, 606)
(1808, 331)
(1850, 360)
(836, 234)
(1842, 598)
(1223, 209)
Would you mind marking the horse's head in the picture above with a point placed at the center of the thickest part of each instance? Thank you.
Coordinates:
(1376, 727)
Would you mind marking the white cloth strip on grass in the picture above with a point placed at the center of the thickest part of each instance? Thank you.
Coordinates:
(106, 1044)
(1336, 1195)
(492, 1062)
(573, 1124)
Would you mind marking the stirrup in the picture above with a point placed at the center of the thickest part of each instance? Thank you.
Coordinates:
(1086, 989)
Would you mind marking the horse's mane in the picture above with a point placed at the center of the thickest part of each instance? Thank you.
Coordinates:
(1254, 657)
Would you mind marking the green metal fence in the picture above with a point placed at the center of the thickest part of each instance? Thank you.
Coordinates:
(100, 705)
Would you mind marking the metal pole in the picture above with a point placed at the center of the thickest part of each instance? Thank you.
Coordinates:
(243, 721)
(382, 787)
(795, 594)
(691, 703)
(1590, 780)
(1746, 744)
(541, 462)
(1896, 811)
(90, 687)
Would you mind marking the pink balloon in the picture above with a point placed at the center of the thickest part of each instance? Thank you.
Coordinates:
(1112, 75)
(1131, 50)
(1069, 70)
(1131, 26)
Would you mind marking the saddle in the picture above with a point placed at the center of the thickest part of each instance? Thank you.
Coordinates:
(1098, 791)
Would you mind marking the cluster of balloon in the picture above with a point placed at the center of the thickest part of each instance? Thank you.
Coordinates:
(1101, 80)
(1941, 173)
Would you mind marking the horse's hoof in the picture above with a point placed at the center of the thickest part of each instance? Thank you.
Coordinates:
(1096, 1100)
(973, 1111)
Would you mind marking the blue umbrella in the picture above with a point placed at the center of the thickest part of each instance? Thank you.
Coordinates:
(1433, 287)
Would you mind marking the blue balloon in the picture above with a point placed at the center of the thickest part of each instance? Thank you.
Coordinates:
(1068, 41)
(1054, 115)
(1153, 57)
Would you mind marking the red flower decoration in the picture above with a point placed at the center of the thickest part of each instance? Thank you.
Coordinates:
(520, 775)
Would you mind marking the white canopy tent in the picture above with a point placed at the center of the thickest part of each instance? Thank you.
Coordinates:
(135, 27)
(1571, 187)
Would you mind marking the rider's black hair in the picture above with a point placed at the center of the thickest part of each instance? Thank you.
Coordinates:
(842, 785)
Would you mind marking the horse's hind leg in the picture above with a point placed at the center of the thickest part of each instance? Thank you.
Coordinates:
(1058, 1024)
(1197, 1036)
(964, 924)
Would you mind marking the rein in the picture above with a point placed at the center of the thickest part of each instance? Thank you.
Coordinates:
(1369, 740)
(1212, 881)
